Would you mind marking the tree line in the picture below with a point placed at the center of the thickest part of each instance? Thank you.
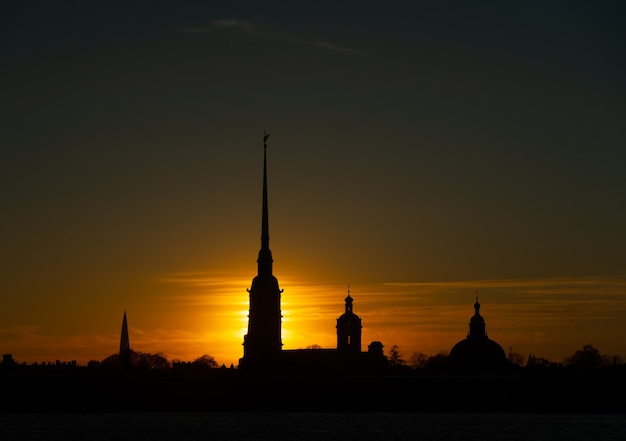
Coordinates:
(588, 357)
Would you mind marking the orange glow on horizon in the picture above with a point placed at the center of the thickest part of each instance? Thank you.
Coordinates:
(429, 317)
(207, 313)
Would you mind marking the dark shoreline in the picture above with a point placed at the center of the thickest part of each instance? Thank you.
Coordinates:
(88, 390)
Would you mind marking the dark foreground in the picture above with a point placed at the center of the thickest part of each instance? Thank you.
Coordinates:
(310, 426)
(85, 390)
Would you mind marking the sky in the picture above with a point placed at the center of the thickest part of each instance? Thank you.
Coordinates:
(420, 154)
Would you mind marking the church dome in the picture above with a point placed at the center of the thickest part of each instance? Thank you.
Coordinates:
(477, 351)
(477, 354)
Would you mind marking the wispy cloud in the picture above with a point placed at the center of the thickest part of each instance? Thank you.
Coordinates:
(243, 25)
(31, 343)
(544, 316)
(335, 48)
(549, 317)
(255, 30)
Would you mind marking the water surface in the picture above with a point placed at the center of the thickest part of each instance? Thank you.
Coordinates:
(304, 426)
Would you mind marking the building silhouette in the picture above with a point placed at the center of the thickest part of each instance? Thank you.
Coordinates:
(262, 345)
(349, 329)
(346, 358)
(477, 353)
(124, 345)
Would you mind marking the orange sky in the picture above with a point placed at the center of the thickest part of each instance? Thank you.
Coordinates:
(196, 313)
(419, 154)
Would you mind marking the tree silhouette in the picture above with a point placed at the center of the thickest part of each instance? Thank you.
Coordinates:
(437, 362)
(151, 361)
(8, 362)
(615, 360)
(395, 357)
(418, 360)
(534, 362)
(139, 360)
(205, 361)
(588, 357)
(517, 359)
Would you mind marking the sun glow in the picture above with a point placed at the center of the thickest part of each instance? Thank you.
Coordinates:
(191, 314)
(207, 313)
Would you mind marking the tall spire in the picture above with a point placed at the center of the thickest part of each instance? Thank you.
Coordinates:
(124, 344)
(262, 344)
(265, 255)
(476, 305)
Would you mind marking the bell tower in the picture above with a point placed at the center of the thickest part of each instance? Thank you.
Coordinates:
(262, 344)
(349, 329)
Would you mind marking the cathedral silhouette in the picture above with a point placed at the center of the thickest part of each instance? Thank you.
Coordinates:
(262, 345)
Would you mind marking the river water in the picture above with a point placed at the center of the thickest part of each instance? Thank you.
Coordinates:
(305, 426)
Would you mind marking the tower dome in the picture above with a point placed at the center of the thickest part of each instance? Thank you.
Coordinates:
(477, 322)
(477, 352)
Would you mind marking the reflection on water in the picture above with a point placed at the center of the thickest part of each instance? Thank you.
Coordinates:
(257, 426)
